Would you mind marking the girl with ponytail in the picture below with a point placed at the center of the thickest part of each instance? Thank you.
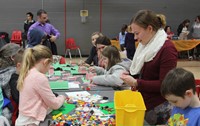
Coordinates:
(36, 96)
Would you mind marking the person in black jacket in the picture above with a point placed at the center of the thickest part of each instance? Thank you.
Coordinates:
(27, 24)
(93, 59)
(130, 43)
(184, 24)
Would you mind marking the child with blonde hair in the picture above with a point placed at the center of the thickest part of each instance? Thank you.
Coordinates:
(93, 59)
(35, 95)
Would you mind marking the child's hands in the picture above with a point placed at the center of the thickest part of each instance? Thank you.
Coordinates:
(92, 69)
(63, 98)
(91, 81)
(82, 63)
(53, 38)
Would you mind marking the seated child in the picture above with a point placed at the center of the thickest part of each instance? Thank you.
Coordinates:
(93, 51)
(36, 98)
(114, 67)
(13, 85)
(178, 87)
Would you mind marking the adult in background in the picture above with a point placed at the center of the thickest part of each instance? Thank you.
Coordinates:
(170, 34)
(130, 43)
(182, 30)
(122, 36)
(195, 31)
(27, 24)
(49, 29)
(155, 56)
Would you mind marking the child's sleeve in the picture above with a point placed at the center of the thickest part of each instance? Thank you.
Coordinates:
(13, 88)
(112, 79)
(47, 95)
(99, 70)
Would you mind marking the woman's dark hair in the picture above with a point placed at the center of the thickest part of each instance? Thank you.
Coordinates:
(112, 53)
(185, 22)
(198, 17)
(103, 40)
(167, 27)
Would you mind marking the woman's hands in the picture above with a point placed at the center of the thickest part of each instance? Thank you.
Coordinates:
(129, 79)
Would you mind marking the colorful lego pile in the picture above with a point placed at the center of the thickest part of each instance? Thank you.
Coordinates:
(86, 113)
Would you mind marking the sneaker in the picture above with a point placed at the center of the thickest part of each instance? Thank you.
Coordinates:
(190, 58)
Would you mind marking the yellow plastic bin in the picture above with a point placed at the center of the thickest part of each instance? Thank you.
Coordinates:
(130, 108)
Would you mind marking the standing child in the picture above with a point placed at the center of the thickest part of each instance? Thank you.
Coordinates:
(36, 97)
(178, 87)
(13, 85)
(114, 67)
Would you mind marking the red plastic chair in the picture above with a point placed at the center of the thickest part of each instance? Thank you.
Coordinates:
(197, 81)
(70, 44)
(16, 37)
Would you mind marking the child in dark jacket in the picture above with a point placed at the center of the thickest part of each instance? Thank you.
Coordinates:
(13, 85)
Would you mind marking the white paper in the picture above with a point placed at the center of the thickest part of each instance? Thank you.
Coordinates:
(77, 94)
(83, 96)
(103, 101)
(72, 85)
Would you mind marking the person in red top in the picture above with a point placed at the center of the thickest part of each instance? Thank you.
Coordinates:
(169, 32)
(154, 57)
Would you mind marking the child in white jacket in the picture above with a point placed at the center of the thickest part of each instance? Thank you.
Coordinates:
(114, 67)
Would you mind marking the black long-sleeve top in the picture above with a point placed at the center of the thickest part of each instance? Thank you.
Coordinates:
(27, 25)
(13, 87)
(92, 57)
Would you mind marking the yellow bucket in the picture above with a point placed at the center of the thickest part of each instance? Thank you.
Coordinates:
(130, 108)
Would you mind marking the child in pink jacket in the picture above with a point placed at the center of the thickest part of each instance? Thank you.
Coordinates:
(36, 97)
